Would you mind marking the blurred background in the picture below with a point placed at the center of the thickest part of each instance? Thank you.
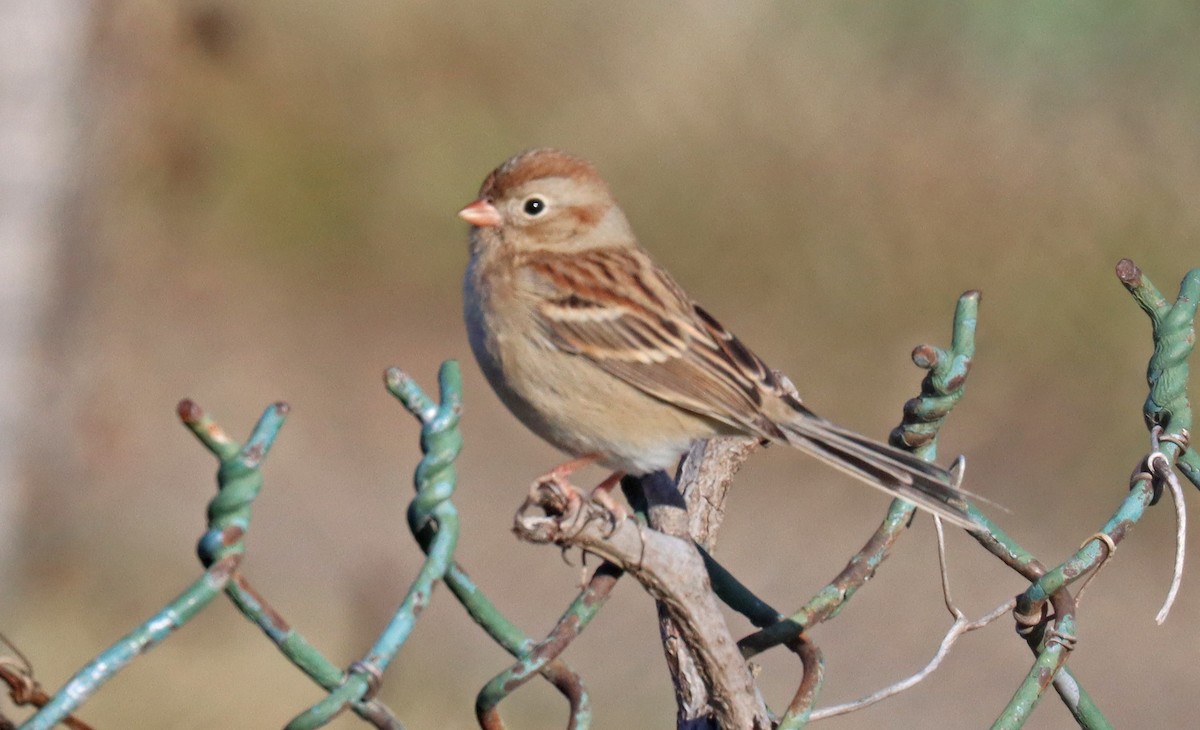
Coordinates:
(243, 202)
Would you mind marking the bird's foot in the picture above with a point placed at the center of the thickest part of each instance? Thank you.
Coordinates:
(565, 506)
(559, 499)
(614, 512)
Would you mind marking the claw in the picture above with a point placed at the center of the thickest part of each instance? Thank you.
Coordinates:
(614, 512)
(563, 501)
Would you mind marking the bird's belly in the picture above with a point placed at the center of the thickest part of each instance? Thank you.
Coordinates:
(574, 405)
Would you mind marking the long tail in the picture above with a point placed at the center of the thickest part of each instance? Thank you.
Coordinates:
(896, 472)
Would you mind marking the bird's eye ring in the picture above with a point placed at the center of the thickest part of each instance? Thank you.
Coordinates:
(534, 206)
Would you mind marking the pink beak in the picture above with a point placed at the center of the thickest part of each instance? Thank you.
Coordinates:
(481, 213)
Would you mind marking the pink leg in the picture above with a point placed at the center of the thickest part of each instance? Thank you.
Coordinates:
(572, 499)
(602, 495)
(565, 469)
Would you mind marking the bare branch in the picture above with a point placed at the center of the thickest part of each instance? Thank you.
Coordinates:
(704, 479)
(692, 511)
(672, 571)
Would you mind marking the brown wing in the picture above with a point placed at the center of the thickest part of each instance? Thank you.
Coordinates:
(644, 330)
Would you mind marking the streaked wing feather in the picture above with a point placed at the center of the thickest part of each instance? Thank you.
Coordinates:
(650, 335)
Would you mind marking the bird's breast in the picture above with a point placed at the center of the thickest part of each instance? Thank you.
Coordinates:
(565, 398)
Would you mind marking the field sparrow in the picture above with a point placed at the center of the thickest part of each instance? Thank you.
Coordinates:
(596, 349)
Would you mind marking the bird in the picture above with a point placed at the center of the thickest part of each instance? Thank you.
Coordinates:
(596, 349)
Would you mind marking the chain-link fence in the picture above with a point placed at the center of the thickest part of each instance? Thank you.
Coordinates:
(663, 548)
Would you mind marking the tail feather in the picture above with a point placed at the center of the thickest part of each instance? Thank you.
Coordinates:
(896, 472)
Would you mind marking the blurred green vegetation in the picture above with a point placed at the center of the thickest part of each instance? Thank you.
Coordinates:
(266, 210)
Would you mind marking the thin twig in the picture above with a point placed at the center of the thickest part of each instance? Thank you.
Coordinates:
(17, 672)
(1162, 470)
(941, 545)
(960, 626)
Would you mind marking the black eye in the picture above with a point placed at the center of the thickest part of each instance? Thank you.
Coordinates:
(534, 206)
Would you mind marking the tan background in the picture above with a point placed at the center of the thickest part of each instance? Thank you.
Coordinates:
(265, 210)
